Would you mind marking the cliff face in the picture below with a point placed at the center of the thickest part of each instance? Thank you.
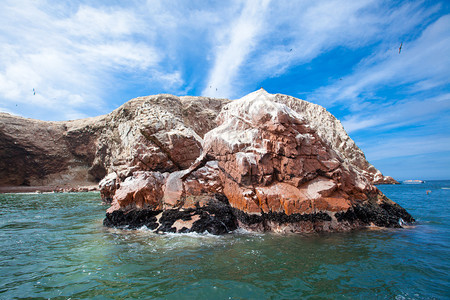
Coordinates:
(332, 132)
(36, 153)
(265, 167)
(161, 133)
(155, 133)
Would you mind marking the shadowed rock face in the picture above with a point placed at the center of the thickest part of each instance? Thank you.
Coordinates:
(37, 153)
(274, 171)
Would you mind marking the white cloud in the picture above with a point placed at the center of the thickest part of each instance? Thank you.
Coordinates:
(396, 115)
(120, 55)
(94, 23)
(69, 56)
(292, 33)
(423, 63)
(234, 45)
(76, 55)
(302, 31)
(170, 80)
(355, 123)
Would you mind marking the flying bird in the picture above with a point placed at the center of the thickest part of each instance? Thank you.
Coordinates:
(34, 92)
(400, 48)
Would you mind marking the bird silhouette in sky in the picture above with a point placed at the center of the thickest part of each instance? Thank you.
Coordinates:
(400, 48)
(34, 92)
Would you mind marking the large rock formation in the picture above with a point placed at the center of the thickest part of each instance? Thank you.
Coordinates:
(156, 133)
(270, 162)
(265, 167)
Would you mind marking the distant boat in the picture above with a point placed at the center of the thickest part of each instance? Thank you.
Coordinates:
(415, 181)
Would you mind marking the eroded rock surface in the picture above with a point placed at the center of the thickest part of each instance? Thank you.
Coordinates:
(156, 133)
(272, 171)
(264, 162)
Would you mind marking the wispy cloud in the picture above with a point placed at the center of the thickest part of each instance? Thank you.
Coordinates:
(234, 44)
(69, 58)
(86, 51)
(399, 114)
(299, 32)
(423, 63)
(302, 31)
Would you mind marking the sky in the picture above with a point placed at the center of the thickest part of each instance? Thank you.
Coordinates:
(62, 60)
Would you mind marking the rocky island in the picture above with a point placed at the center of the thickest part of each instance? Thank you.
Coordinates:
(265, 162)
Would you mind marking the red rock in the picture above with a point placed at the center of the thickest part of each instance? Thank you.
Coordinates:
(156, 133)
(174, 190)
(277, 156)
(144, 190)
(272, 162)
(275, 170)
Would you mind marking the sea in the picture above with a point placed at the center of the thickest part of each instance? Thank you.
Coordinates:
(53, 246)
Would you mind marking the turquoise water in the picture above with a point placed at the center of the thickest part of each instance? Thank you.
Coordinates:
(54, 246)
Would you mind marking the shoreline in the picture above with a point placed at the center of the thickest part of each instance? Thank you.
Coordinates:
(48, 189)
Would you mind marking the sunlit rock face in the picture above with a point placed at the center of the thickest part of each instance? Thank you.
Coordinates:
(333, 134)
(274, 161)
(266, 166)
(160, 133)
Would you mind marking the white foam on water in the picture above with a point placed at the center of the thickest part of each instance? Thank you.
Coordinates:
(204, 234)
(144, 228)
(242, 231)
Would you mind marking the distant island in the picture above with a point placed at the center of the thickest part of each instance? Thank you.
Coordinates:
(413, 181)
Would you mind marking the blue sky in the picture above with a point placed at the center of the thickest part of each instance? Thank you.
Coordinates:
(86, 58)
